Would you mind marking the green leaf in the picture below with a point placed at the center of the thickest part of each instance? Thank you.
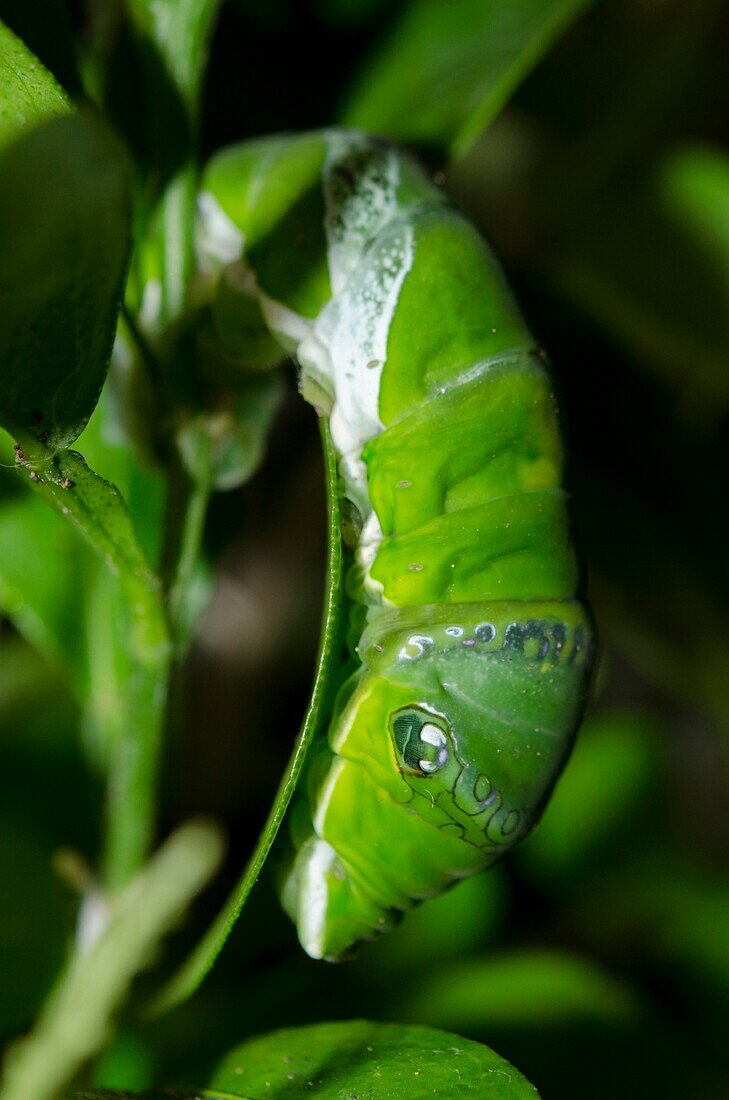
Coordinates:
(220, 434)
(23, 680)
(64, 238)
(690, 928)
(97, 508)
(106, 1094)
(669, 911)
(105, 445)
(153, 95)
(45, 28)
(694, 188)
(28, 93)
(202, 958)
(152, 87)
(128, 1063)
(110, 708)
(41, 581)
(76, 1019)
(600, 798)
(450, 66)
(180, 30)
(224, 446)
(527, 988)
(358, 1058)
(238, 336)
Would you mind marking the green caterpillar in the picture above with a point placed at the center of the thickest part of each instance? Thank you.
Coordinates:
(473, 653)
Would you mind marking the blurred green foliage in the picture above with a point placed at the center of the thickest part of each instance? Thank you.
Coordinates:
(596, 959)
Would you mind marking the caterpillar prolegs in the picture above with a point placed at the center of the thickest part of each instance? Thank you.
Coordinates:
(473, 653)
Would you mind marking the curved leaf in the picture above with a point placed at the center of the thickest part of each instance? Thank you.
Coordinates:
(450, 66)
(28, 93)
(45, 27)
(115, 1094)
(358, 1058)
(180, 30)
(194, 969)
(153, 95)
(98, 509)
(64, 238)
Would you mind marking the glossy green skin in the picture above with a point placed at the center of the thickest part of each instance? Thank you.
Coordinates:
(475, 654)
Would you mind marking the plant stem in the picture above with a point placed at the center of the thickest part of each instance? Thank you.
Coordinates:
(97, 508)
(134, 763)
(134, 767)
(158, 618)
(177, 213)
(191, 539)
(74, 1023)
(187, 504)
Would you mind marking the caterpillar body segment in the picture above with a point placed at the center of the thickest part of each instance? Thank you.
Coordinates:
(476, 652)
